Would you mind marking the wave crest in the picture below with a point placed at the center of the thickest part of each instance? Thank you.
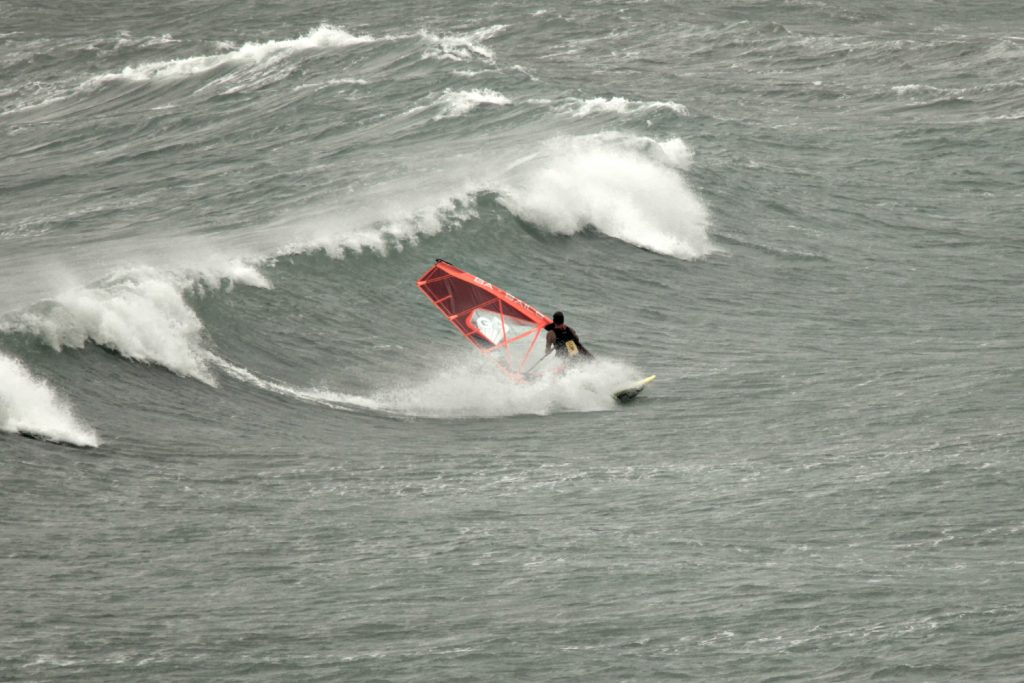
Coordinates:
(29, 405)
(141, 315)
(461, 47)
(456, 103)
(627, 187)
(321, 37)
(618, 105)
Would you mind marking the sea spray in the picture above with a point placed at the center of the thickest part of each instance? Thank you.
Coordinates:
(624, 186)
(467, 386)
(617, 105)
(29, 405)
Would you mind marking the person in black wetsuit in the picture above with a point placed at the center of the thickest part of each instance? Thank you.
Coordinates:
(563, 339)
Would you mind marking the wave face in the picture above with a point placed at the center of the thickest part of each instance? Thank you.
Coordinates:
(238, 443)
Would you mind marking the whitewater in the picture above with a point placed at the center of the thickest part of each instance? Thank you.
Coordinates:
(238, 443)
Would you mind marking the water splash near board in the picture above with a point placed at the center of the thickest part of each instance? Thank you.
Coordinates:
(500, 325)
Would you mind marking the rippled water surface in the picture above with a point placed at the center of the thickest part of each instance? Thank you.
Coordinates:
(239, 444)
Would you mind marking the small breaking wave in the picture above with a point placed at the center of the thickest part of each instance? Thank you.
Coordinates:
(461, 47)
(914, 88)
(322, 37)
(126, 40)
(30, 406)
(617, 105)
(626, 186)
(456, 103)
(36, 94)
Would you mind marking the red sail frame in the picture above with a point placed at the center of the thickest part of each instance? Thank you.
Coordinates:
(497, 323)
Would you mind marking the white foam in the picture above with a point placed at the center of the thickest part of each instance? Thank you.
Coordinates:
(125, 39)
(331, 82)
(460, 102)
(38, 94)
(322, 396)
(29, 405)
(235, 272)
(142, 318)
(473, 387)
(460, 47)
(322, 37)
(618, 105)
(627, 187)
(676, 153)
(914, 88)
(141, 314)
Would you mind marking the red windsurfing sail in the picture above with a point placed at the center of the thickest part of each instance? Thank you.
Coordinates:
(499, 324)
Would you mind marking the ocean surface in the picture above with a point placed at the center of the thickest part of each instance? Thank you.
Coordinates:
(238, 444)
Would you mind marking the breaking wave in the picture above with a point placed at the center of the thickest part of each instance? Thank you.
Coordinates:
(321, 37)
(627, 187)
(618, 105)
(460, 47)
(30, 406)
(460, 102)
(631, 188)
(141, 315)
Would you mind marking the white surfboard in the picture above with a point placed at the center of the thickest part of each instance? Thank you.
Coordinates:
(633, 390)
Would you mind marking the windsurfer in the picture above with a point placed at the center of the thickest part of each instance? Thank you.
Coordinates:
(563, 339)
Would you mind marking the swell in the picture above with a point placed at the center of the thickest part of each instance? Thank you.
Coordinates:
(630, 187)
(196, 121)
(511, 189)
(337, 321)
(211, 68)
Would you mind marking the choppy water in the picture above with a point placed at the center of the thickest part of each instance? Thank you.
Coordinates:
(238, 443)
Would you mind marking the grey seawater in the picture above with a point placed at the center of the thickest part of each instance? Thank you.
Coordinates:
(289, 467)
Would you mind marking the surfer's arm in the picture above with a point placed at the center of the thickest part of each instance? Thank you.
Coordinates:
(580, 346)
(549, 342)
